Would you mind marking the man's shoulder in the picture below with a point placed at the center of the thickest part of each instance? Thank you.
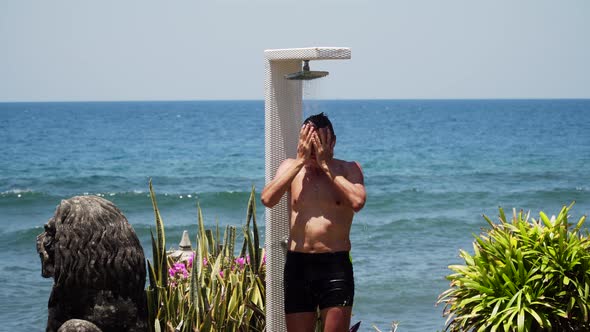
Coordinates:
(346, 163)
(351, 165)
(351, 170)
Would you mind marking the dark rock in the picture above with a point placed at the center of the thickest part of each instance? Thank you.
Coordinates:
(98, 266)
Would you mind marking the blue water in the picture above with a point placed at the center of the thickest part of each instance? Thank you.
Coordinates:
(432, 168)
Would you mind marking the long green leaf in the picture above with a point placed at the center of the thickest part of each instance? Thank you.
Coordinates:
(256, 257)
(201, 224)
(194, 285)
(502, 216)
(161, 244)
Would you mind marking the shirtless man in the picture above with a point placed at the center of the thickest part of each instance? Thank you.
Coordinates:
(325, 194)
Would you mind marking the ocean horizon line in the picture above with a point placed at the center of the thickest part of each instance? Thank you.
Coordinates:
(122, 101)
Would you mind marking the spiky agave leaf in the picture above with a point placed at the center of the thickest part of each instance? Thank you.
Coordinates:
(201, 236)
(161, 262)
(195, 294)
(255, 256)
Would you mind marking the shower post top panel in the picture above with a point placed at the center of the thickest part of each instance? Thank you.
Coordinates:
(308, 53)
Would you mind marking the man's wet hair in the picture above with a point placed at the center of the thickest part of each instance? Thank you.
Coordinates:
(320, 121)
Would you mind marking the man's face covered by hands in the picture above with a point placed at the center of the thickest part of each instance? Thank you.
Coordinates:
(323, 140)
(317, 140)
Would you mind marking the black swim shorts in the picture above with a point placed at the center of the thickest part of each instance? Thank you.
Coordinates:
(318, 280)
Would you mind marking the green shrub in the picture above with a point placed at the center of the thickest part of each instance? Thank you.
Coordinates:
(524, 275)
(214, 291)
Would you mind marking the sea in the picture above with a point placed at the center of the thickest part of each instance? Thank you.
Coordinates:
(432, 169)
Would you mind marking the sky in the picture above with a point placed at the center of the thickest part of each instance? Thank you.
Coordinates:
(73, 50)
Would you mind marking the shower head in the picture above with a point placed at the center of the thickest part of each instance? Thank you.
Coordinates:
(305, 73)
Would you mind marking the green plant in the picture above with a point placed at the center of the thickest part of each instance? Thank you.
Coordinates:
(214, 291)
(524, 275)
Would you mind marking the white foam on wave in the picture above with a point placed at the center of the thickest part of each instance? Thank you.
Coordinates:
(17, 191)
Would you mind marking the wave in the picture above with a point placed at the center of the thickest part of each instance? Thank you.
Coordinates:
(452, 175)
(420, 198)
(375, 196)
(17, 191)
(31, 209)
(70, 184)
(216, 196)
(25, 239)
(379, 202)
(18, 239)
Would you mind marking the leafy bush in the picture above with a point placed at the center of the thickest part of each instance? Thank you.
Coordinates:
(524, 275)
(213, 291)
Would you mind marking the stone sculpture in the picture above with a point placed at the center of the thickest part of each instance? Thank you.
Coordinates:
(98, 267)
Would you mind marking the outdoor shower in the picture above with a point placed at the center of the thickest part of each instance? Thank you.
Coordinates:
(285, 68)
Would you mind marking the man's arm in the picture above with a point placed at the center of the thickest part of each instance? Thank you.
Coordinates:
(275, 189)
(349, 183)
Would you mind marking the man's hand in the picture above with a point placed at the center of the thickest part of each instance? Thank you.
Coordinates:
(305, 141)
(324, 147)
(289, 168)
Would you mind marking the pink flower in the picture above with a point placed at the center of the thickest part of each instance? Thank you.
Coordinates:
(221, 274)
(204, 261)
(178, 268)
(241, 261)
(190, 260)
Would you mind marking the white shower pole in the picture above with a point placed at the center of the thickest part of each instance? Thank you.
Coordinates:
(283, 116)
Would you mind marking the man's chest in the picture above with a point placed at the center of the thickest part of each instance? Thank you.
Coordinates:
(314, 188)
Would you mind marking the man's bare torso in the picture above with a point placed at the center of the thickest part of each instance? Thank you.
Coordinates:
(320, 217)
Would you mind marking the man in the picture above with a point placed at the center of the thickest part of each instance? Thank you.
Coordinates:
(325, 194)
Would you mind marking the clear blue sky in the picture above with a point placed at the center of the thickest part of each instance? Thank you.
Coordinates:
(213, 49)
